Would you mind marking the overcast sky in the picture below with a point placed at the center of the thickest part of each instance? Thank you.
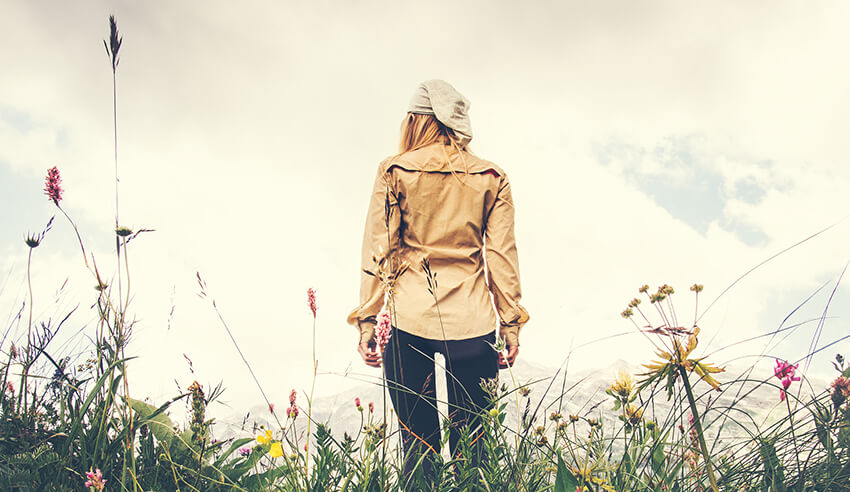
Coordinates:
(646, 142)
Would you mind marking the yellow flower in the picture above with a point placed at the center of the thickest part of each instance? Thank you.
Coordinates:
(622, 387)
(679, 358)
(276, 451)
(265, 438)
(633, 414)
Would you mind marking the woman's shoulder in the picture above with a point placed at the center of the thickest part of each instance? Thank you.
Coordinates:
(435, 158)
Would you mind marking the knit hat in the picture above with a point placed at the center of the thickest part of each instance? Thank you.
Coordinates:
(448, 105)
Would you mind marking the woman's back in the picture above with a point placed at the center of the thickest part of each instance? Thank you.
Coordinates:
(444, 204)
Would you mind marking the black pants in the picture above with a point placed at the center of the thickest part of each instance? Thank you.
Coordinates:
(410, 372)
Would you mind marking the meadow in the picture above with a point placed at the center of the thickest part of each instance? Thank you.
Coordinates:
(681, 424)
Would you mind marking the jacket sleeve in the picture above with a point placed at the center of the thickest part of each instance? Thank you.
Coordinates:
(503, 266)
(382, 221)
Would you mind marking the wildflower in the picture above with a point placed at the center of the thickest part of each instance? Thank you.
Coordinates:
(555, 416)
(679, 358)
(265, 438)
(524, 391)
(13, 351)
(786, 372)
(271, 407)
(357, 404)
(627, 313)
(643, 289)
(840, 390)
(371, 407)
(311, 300)
(292, 396)
(494, 412)
(622, 388)
(592, 422)
(10, 387)
(53, 185)
(634, 302)
(199, 404)
(292, 412)
(33, 240)
(383, 330)
(632, 415)
(95, 479)
(696, 288)
(500, 345)
(574, 418)
(562, 426)
(245, 451)
(539, 430)
(692, 433)
(784, 369)
(276, 450)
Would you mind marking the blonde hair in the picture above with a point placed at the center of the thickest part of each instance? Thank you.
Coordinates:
(420, 130)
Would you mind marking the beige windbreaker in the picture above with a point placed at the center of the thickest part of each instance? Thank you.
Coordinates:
(454, 210)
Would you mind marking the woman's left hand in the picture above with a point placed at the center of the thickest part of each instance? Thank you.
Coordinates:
(505, 362)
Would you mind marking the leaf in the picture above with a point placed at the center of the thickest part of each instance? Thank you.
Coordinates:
(161, 425)
(658, 458)
(565, 481)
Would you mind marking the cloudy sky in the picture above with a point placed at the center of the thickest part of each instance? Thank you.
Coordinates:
(646, 142)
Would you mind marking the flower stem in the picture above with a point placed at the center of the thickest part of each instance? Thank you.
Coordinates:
(698, 425)
(793, 435)
(310, 407)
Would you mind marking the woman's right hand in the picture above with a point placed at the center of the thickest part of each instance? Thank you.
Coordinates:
(370, 355)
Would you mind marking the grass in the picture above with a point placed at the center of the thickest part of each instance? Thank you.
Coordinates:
(680, 425)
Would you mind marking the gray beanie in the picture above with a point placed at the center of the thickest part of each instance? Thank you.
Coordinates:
(439, 98)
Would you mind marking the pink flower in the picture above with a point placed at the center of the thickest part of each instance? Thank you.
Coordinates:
(292, 412)
(311, 300)
(244, 451)
(784, 368)
(383, 330)
(786, 372)
(371, 407)
(271, 407)
(292, 395)
(95, 479)
(10, 387)
(53, 185)
(357, 404)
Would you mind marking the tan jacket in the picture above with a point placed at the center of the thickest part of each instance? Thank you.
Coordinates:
(456, 211)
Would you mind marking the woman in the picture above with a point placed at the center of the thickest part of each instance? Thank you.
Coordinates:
(439, 217)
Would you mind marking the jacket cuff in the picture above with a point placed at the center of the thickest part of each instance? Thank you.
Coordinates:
(510, 333)
(367, 330)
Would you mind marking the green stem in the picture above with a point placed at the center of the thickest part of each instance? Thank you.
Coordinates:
(698, 425)
(793, 436)
(310, 407)
(22, 391)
